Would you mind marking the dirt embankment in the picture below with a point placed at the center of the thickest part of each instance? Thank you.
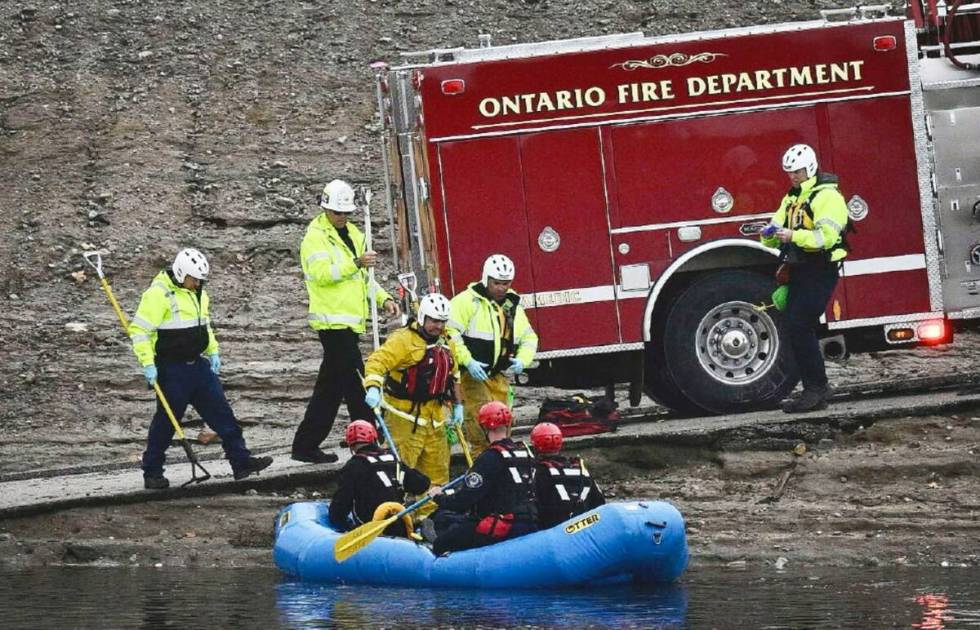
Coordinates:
(139, 127)
(901, 492)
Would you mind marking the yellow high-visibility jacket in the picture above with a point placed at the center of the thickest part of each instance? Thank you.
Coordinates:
(820, 229)
(337, 287)
(402, 350)
(489, 332)
(172, 323)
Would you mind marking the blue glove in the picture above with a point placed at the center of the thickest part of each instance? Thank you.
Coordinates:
(516, 366)
(215, 363)
(475, 368)
(150, 372)
(457, 418)
(770, 230)
(373, 397)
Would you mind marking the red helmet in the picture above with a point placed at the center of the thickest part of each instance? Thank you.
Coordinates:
(494, 414)
(546, 437)
(361, 431)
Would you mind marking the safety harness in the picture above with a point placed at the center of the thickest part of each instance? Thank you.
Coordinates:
(794, 220)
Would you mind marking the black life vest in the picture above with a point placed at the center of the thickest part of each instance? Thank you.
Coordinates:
(387, 484)
(570, 484)
(791, 252)
(429, 379)
(515, 496)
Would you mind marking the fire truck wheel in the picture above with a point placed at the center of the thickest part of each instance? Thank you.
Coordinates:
(657, 380)
(723, 353)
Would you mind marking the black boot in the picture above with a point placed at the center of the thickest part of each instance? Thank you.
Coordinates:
(251, 466)
(809, 400)
(156, 483)
(316, 456)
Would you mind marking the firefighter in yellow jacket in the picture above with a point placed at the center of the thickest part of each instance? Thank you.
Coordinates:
(414, 378)
(493, 339)
(170, 332)
(808, 228)
(335, 263)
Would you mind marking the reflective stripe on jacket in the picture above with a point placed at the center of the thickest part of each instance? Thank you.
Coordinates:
(821, 229)
(337, 288)
(172, 323)
(479, 327)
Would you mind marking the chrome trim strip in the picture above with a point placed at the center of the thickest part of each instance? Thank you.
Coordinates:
(572, 352)
(924, 170)
(881, 321)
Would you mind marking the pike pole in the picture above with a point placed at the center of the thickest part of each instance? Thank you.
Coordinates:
(191, 457)
(372, 292)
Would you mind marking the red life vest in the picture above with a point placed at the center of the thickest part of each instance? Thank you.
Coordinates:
(429, 379)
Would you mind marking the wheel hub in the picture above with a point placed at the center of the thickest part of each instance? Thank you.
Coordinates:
(736, 344)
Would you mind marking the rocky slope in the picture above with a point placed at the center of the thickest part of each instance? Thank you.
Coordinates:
(138, 127)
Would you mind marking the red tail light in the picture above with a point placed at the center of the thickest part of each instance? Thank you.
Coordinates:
(932, 332)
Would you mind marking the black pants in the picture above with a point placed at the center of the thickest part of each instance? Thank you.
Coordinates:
(456, 532)
(810, 288)
(337, 381)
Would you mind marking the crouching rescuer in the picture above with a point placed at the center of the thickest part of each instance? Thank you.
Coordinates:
(495, 502)
(170, 332)
(372, 484)
(414, 377)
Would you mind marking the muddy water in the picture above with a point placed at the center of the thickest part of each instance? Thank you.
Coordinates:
(113, 597)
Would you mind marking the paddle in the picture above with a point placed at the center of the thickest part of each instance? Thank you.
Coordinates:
(356, 539)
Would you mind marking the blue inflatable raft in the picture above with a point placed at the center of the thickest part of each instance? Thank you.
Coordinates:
(615, 543)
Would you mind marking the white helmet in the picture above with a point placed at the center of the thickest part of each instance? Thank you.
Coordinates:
(190, 262)
(800, 156)
(434, 306)
(498, 267)
(338, 196)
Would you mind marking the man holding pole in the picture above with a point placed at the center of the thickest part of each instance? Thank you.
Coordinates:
(335, 260)
(170, 332)
(414, 377)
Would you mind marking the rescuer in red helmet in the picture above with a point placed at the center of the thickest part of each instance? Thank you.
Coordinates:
(496, 501)
(372, 480)
(809, 228)
(563, 487)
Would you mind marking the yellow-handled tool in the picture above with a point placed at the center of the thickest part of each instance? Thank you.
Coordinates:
(191, 457)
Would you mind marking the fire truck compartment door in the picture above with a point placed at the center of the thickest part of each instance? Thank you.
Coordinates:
(568, 231)
(483, 199)
(957, 145)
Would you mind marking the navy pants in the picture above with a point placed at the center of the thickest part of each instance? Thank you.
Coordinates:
(810, 288)
(194, 384)
(337, 382)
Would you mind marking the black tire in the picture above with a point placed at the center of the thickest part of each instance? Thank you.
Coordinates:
(658, 383)
(723, 355)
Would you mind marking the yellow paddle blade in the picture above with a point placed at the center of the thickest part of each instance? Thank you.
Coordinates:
(356, 539)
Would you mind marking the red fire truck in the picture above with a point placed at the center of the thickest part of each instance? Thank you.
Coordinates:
(628, 177)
